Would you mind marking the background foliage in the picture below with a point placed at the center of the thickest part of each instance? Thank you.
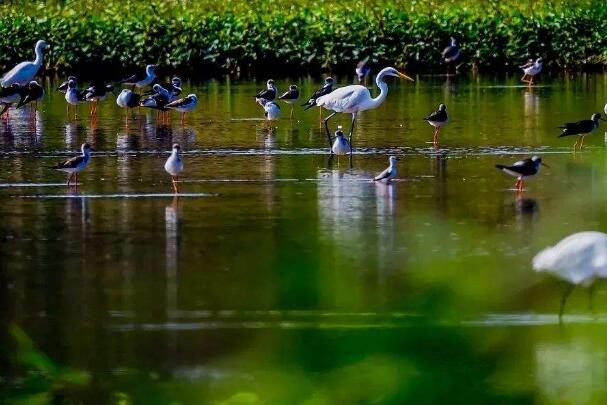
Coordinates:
(208, 37)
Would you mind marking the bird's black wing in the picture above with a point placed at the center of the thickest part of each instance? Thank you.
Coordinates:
(450, 52)
(290, 95)
(179, 103)
(576, 128)
(268, 94)
(436, 116)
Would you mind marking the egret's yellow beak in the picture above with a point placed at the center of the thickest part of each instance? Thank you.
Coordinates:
(404, 76)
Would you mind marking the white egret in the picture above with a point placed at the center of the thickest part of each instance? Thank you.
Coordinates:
(24, 72)
(355, 98)
(579, 259)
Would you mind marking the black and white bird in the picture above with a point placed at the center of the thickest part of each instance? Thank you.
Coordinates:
(158, 101)
(452, 55)
(32, 93)
(581, 129)
(141, 79)
(290, 97)
(324, 90)
(530, 69)
(74, 96)
(24, 72)
(128, 99)
(62, 88)
(271, 109)
(523, 169)
(175, 88)
(388, 174)
(9, 96)
(363, 70)
(174, 165)
(183, 105)
(438, 119)
(269, 94)
(76, 164)
(97, 92)
(340, 143)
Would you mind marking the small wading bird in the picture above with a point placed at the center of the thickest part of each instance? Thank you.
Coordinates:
(62, 88)
(523, 169)
(9, 96)
(269, 94)
(97, 92)
(363, 70)
(388, 174)
(76, 164)
(184, 105)
(356, 98)
(581, 129)
(290, 97)
(158, 101)
(174, 166)
(437, 119)
(32, 93)
(579, 259)
(128, 99)
(452, 55)
(340, 144)
(141, 79)
(73, 96)
(530, 69)
(324, 90)
(24, 72)
(271, 109)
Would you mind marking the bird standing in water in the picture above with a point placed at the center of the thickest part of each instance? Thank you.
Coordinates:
(530, 69)
(340, 144)
(290, 97)
(174, 166)
(388, 174)
(437, 119)
(581, 129)
(76, 164)
(523, 169)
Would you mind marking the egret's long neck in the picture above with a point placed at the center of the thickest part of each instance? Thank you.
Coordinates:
(383, 92)
(39, 56)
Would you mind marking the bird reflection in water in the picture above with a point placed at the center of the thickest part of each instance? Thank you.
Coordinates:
(171, 222)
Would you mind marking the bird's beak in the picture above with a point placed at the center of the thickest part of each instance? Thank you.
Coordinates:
(603, 119)
(404, 76)
(544, 164)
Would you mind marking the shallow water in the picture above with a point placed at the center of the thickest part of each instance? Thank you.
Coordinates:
(279, 275)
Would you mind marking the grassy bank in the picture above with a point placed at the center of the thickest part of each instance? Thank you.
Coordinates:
(249, 37)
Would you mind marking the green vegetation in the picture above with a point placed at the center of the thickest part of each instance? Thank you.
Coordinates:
(239, 36)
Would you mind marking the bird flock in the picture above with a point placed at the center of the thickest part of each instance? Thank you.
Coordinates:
(579, 259)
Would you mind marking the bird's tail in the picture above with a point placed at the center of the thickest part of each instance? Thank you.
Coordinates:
(501, 167)
(308, 105)
(22, 102)
(564, 133)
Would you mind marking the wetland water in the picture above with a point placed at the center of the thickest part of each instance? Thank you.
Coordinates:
(279, 276)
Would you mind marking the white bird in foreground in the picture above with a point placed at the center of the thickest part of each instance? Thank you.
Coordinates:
(76, 164)
(389, 173)
(174, 165)
(340, 144)
(24, 72)
(184, 105)
(531, 69)
(272, 110)
(355, 98)
(579, 259)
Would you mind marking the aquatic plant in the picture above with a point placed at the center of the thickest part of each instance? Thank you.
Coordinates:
(247, 37)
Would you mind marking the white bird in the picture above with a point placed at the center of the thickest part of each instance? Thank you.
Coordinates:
(141, 79)
(76, 164)
(579, 259)
(389, 173)
(355, 98)
(24, 72)
(184, 105)
(128, 99)
(174, 165)
(531, 69)
(340, 144)
(271, 109)
(73, 96)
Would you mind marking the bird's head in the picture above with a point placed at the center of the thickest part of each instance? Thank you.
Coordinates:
(124, 92)
(270, 84)
(453, 41)
(33, 84)
(86, 147)
(539, 60)
(176, 147)
(390, 71)
(339, 133)
(393, 160)
(442, 107)
(71, 84)
(176, 81)
(41, 45)
(329, 81)
(293, 87)
(193, 96)
(156, 87)
(150, 69)
(538, 161)
(596, 117)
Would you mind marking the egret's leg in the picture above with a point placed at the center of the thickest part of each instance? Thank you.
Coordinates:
(327, 129)
(564, 300)
(352, 131)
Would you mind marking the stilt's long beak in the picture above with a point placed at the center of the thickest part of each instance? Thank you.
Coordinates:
(603, 119)
(544, 164)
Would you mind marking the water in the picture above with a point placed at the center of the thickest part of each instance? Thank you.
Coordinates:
(281, 276)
